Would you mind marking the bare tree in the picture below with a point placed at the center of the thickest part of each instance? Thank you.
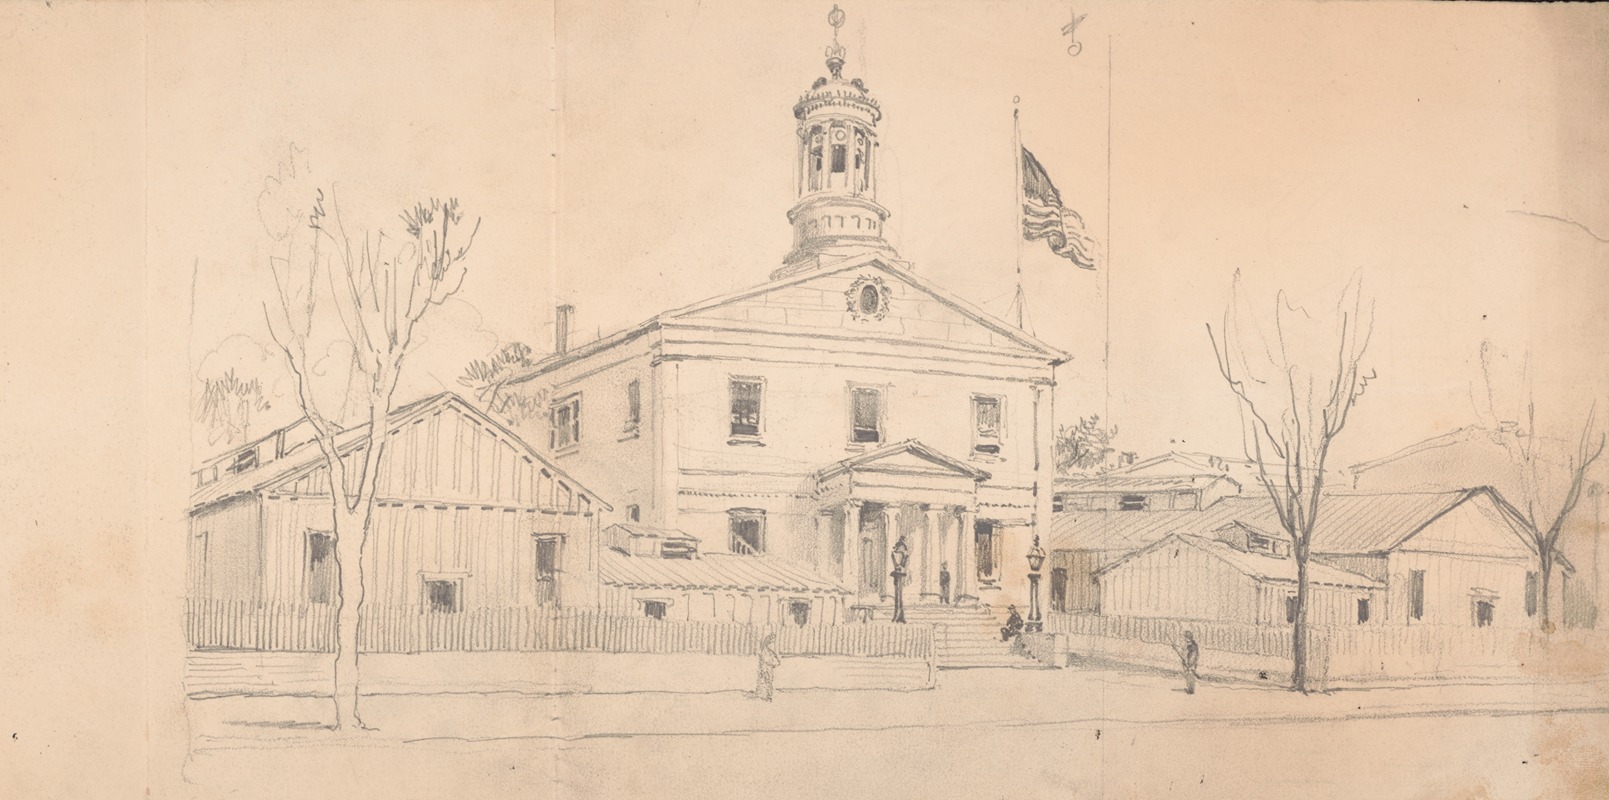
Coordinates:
(380, 288)
(1551, 472)
(1296, 385)
(1085, 446)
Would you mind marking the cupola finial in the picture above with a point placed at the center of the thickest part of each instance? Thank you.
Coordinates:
(835, 51)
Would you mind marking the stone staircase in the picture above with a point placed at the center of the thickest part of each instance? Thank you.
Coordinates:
(966, 637)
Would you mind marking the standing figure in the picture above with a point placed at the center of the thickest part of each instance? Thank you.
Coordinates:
(768, 663)
(944, 583)
(1013, 627)
(1189, 656)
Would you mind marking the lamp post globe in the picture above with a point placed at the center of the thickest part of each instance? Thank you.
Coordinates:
(1036, 560)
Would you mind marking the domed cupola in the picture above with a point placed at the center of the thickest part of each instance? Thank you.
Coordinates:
(837, 213)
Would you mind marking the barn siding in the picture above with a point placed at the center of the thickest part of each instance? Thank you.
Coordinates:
(457, 498)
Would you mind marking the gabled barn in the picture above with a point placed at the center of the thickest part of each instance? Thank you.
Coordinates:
(468, 516)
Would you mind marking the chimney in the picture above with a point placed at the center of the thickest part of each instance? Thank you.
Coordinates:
(561, 328)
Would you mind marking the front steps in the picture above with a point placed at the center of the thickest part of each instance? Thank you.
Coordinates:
(964, 637)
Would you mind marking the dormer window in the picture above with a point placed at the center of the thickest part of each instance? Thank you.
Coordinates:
(1258, 543)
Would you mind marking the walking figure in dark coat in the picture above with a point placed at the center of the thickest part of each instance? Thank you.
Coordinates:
(1189, 656)
(1013, 627)
(944, 583)
(768, 662)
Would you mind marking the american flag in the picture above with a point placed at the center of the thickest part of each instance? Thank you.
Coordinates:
(1044, 216)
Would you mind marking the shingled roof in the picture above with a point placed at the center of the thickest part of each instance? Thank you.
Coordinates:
(1347, 523)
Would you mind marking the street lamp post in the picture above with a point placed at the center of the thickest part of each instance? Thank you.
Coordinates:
(901, 556)
(1036, 559)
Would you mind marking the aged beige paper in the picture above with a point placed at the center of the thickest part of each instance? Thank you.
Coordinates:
(737, 399)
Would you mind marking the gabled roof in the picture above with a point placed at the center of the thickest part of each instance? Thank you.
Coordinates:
(1348, 524)
(1053, 354)
(1469, 434)
(1114, 482)
(1266, 568)
(911, 446)
(308, 457)
(710, 571)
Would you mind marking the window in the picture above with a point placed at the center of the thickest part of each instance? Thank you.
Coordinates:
(986, 425)
(1132, 502)
(654, 609)
(1290, 609)
(633, 405)
(1363, 610)
(866, 414)
(565, 416)
(869, 299)
(1057, 504)
(244, 460)
(633, 513)
(838, 153)
(1416, 594)
(746, 397)
(1058, 589)
(987, 542)
(799, 610)
(442, 596)
(747, 526)
(1530, 594)
(1258, 543)
(549, 557)
(320, 567)
(1483, 612)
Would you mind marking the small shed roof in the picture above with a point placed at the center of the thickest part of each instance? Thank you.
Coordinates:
(1260, 567)
(1347, 523)
(711, 571)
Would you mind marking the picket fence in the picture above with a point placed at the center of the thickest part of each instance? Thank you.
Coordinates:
(244, 625)
(1363, 652)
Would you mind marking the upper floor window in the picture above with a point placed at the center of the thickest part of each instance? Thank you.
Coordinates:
(565, 418)
(747, 395)
(838, 157)
(633, 513)
(633, 405)
(747, 526)
(1132, 502)
(986, 422)
(1530, 594)
(244, 460)
(865, 414)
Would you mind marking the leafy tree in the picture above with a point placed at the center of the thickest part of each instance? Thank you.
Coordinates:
(488, 378)
(227, 405)
(1085, 446)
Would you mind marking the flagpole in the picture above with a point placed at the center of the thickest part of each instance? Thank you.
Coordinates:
(1016, 158)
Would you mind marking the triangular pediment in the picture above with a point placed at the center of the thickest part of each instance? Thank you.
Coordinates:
(907, 306)
(907, 457)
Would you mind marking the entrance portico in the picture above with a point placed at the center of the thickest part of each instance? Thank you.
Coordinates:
(866, 503)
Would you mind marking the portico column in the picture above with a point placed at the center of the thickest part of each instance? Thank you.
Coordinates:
(852, 545)
(931, 551)
(966, 568)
